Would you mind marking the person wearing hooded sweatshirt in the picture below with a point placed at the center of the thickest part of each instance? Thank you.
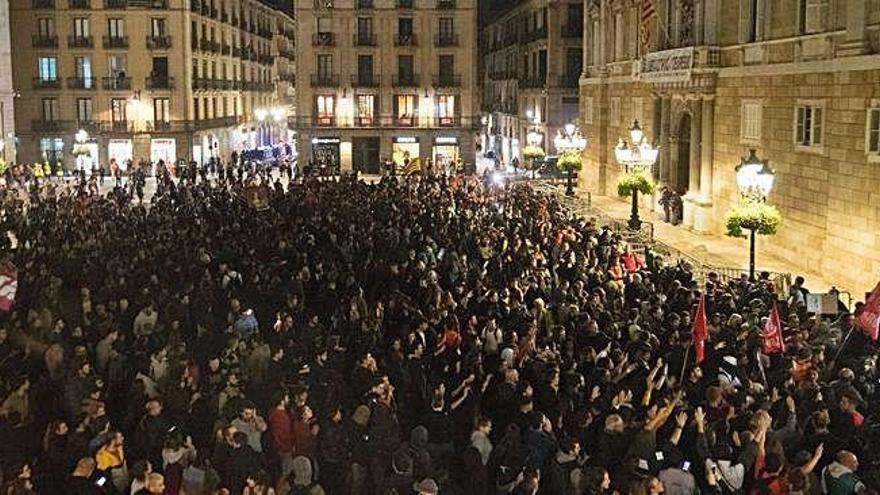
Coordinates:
(839, 477)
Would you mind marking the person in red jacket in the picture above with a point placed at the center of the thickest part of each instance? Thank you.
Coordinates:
(281, 431)
(631, 261)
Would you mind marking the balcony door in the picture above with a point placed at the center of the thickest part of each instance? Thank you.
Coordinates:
(365, 70)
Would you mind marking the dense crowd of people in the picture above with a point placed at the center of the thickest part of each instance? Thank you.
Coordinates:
(421, 335)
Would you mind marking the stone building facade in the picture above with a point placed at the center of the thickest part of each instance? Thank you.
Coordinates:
(531, 59)
(146, 79)
(7, 92)
(797, 80)
(386, 80)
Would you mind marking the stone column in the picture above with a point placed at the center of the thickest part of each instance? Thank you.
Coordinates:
(690, 199)
(703, 217)
(854, 41)
(707, 149)
(696, 132)
(665, 151)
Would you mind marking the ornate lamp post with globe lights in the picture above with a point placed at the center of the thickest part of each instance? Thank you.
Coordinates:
(754, 179)
(570, 144)
(533, 153)
(637, 157)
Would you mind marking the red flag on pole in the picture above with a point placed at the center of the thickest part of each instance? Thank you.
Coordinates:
(701, 330)
(8, 286)
(869, 317)
(773, 343)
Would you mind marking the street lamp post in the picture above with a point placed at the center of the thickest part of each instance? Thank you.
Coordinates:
(754, 178)
(534, 152)
(570, 141)
(636, 155)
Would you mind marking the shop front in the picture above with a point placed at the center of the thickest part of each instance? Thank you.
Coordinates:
(164, 149)
(122, 151)
(325, 154)
(365, 154)
(446, 154)
(404, 149)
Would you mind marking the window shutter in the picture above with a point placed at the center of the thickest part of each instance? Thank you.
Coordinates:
(817, 127)
(874, 131)
(801, 118)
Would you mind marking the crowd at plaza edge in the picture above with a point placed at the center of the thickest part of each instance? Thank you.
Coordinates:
(416, 335)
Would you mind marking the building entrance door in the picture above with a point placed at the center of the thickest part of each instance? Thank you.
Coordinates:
(365, 155)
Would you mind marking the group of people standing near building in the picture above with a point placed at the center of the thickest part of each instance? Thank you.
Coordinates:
(415, 335)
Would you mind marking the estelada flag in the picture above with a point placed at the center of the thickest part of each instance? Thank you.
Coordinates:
(701, 330)
(8, 286)
(772, 334)
(869, 317)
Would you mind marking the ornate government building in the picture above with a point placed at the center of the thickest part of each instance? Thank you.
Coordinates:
(797, 80)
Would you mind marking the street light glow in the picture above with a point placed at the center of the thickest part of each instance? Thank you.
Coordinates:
(754, 177)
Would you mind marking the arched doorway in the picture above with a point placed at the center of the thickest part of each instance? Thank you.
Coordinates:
(681, 174)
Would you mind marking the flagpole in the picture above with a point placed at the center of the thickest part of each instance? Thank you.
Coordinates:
(684, 365)
(840, 349)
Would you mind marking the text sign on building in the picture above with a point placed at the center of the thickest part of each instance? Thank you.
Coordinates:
(667, 65)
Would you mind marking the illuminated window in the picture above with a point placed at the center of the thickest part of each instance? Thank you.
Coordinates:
(446, 109)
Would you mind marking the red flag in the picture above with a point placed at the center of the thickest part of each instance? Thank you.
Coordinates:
(701, 330)
(8, 286)
(869, 317)
(773, 343)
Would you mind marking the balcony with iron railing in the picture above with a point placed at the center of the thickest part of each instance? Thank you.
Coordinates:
(364, 121)
(447, 121)
(324, 39)
(158, 42)
(536, 34)
(115, 42)
(159, 82)
(200, 83)
(225, 49)
(81, 83)
(48, 125)
(323, 4)
(364, 4)
(46, 83)
(324, 121)
(405, 4)
(324, 80)
(118, 83)
(44, 41)
(445, 4)
(406, 81)
(406, 121)
(405, 39)
(115, 4)
(365, 80)
(79, 4)
(74, 41)
(43, 4)
(121, 126)
(447, 80)
(363, 39)
(532, 82)
(446, 39)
